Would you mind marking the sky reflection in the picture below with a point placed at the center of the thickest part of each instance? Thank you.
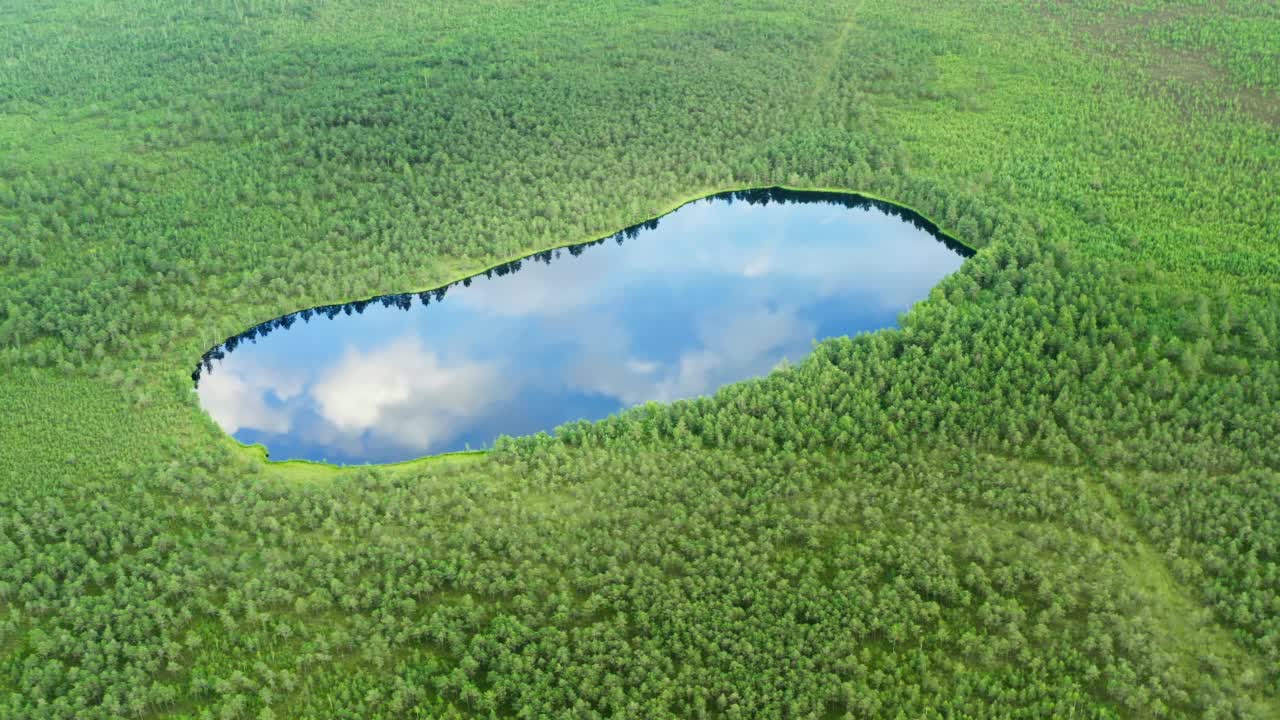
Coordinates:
(717, 292)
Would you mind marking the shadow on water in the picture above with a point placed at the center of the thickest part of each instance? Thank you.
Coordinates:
(405, 301)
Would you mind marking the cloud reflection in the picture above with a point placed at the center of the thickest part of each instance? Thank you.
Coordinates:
(402, 392)
(398, 395)
(731, 344)
(716, 293)
(238, 397)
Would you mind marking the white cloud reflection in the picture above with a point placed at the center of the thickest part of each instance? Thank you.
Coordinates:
(731, 344)
(830, 248)
(399, 394)
(714, 295)
(403, 392)
(237, 394)
(838, 248)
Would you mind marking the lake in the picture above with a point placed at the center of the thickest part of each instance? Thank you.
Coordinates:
(720, 290)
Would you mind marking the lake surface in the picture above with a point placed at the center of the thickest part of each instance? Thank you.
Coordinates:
(720, 290)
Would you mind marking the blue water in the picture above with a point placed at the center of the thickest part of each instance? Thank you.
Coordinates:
(717, 291)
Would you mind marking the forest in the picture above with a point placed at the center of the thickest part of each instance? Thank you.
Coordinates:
(1052, 491)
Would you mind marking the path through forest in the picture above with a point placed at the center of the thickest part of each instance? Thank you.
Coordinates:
(1189, 627)
(826, 65)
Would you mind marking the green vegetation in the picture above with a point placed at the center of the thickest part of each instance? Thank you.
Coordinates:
(1055, 491)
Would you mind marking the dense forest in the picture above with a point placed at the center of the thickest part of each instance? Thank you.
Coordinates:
(1053, 491)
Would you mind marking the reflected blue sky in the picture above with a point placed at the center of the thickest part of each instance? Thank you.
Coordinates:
(718, 292)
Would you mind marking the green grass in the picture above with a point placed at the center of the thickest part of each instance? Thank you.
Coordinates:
(311, 470)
